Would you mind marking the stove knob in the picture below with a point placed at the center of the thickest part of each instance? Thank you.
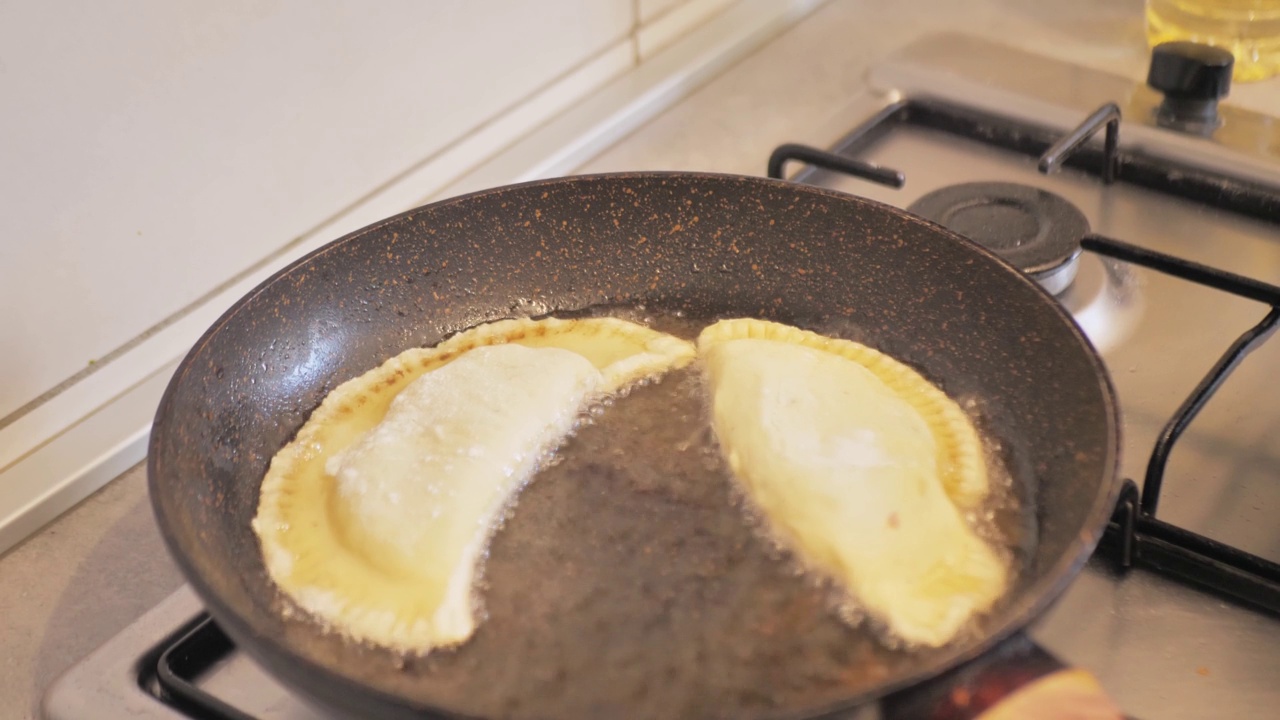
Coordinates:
(1193, 77)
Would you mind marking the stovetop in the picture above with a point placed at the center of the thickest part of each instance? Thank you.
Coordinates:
(1163, 649)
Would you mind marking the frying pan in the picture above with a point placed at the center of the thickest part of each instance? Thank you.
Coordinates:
(630, 588)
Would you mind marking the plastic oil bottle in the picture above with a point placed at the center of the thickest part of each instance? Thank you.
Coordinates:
(1250, 29)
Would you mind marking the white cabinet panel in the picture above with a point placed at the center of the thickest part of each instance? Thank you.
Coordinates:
(153, 149)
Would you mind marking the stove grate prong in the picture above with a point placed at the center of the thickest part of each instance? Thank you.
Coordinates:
(1106, 116)
(831, 161)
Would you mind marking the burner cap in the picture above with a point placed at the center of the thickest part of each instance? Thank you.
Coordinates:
(1034, 230)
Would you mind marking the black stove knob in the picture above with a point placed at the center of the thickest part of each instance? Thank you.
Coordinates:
(1193, 77)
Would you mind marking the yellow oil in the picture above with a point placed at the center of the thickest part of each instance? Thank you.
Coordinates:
(1250, 29)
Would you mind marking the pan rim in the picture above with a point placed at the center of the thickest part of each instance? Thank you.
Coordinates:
(1037, 598)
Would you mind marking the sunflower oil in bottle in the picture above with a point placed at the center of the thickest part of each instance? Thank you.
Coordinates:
(1249, 29)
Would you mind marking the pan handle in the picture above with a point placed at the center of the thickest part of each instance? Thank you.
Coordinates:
(1016, 680)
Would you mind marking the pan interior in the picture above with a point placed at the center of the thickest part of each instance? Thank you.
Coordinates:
(632, 578)
(619, 587)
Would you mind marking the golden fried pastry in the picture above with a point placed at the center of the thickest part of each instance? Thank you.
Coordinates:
(374, 517)
(861, 466)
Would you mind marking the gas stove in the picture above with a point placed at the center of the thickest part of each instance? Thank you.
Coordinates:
(1161, 235)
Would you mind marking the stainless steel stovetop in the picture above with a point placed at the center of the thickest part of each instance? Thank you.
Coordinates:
(1161, 648)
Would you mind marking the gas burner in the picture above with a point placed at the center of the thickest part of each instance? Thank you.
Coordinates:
(1105, 301)
(1036, 231)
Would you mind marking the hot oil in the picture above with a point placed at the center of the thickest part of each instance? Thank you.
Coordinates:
(629, 584)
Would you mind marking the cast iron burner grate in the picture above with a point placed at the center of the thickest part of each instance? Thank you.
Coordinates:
(1135, 536)
(179, 664)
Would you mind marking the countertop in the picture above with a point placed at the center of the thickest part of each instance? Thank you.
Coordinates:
(73, 585)
(90, 573)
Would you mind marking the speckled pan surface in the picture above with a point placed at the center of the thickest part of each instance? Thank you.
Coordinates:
(628, 589)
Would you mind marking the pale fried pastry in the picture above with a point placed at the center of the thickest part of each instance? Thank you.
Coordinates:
(375, 516)
(860, 465)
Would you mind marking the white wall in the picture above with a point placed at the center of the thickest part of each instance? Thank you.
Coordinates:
(153, 149)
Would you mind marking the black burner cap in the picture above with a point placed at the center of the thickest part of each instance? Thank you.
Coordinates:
(1034, 230)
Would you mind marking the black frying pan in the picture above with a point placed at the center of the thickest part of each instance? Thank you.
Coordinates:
(630, 589)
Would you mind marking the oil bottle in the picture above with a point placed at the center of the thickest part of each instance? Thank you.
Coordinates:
(1250, 29)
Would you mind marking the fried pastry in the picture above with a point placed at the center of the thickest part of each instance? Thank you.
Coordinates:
(861, 466)
(375, 516)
